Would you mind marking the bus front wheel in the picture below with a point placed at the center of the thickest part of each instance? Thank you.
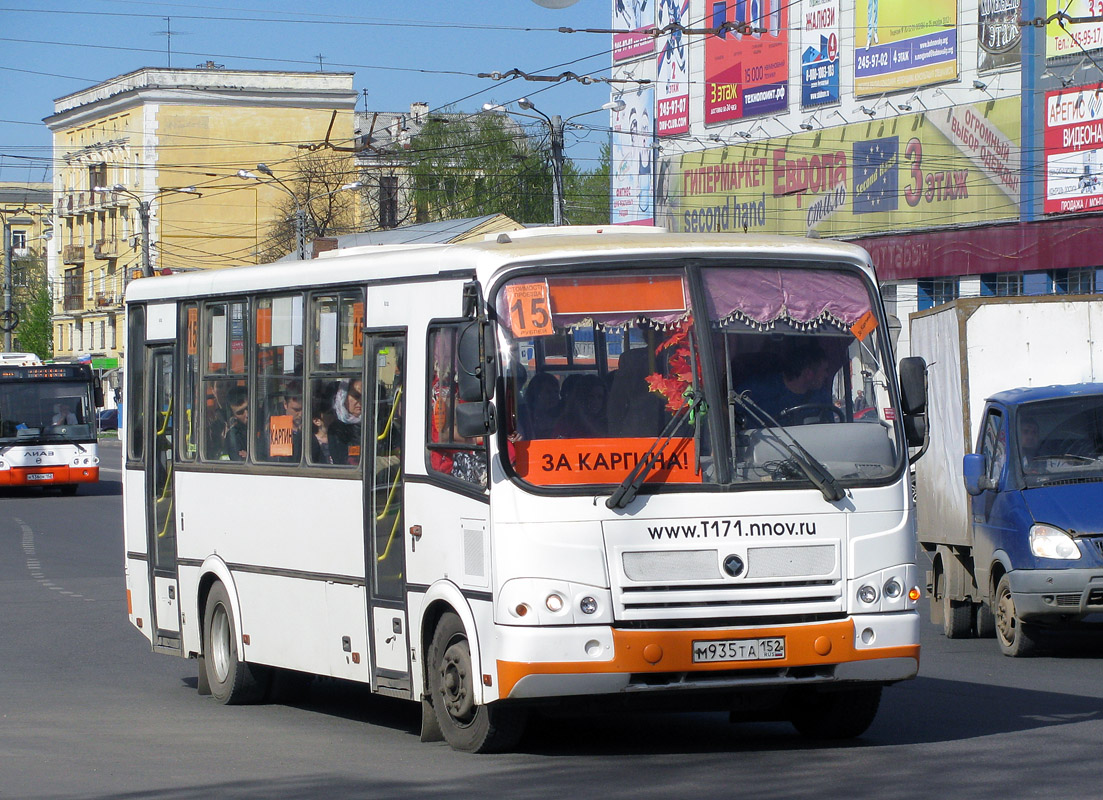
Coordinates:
(231, 680)
(840, 714)
(466, 725)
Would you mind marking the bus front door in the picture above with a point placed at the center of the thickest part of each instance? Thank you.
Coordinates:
(160, 506)
(383, 510)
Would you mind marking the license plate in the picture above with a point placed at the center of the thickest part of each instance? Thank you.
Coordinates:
(739, 650)
(40, 476)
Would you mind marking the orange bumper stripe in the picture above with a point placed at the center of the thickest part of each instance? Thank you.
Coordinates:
(17, 476)
(672, 651)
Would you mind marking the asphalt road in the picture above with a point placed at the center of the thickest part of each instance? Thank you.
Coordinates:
(87, 711)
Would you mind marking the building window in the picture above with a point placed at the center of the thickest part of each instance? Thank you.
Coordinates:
(936, 291)
(97, 176)
(1002, 284)
(388, 202)
(1074, 281)
(19, 243)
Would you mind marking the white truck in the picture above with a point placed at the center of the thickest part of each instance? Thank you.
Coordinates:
(976, 349)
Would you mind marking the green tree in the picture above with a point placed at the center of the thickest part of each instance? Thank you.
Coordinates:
(586, 194)
(472, 165)
(32, 302)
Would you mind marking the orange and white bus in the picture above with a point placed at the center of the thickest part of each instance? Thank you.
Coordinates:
(47, 424)
(550, 466)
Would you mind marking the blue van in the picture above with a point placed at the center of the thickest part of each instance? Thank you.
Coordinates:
(1036, 481)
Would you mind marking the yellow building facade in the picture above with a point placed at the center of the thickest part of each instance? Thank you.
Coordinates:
(27, 228)
(147, 181)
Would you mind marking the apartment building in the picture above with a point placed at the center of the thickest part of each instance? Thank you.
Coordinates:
(147, 180)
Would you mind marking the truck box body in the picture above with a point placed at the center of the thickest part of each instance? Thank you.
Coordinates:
(974, 348)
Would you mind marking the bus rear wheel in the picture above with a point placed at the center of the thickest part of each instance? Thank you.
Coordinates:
(840, 714)
(466, 725)
(232, 681)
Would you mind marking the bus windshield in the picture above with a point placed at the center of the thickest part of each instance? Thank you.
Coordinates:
(775, 374)
(46, 410)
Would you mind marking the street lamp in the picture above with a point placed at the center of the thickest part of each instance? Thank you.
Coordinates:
(300, 211)
(143, 214)
(556, 125)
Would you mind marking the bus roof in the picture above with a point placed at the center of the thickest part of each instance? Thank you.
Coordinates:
(483, 259)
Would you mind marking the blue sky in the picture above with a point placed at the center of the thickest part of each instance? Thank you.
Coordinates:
(401, 52)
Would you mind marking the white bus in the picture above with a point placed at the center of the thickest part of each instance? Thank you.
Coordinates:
(47, 424)
(545, 467)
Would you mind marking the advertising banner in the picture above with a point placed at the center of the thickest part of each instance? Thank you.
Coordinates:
(1073, 140)
(819, 49)
(998, 33)
(629, 17)
(672, 70)
(904, 45)
(1074, 38)
(747, 74)
(631, 159)
(940, 168)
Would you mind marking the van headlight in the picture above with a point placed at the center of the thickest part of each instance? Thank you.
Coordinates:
(1047, 541)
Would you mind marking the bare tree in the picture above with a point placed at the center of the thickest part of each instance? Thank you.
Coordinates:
(316, 179)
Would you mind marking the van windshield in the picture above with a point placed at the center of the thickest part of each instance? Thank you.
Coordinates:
(601, 366)
(1061, 440)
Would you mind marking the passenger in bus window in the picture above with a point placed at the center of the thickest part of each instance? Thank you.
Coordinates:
(274, 445)
(583, 415)
(320, 420)
(236, 443)
(540, 407)
(344, 432)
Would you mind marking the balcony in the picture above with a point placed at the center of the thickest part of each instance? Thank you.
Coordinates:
(105, 248)
(72, 254)
(74, 302)
(106, 299)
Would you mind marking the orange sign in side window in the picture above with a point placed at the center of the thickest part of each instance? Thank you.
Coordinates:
(358, 329)
(864, 326)
(529, 309)
(561, 462)
(280, 436)
(193, 331)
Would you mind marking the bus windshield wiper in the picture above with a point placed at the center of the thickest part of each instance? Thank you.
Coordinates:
(626, 492)
(815, 471)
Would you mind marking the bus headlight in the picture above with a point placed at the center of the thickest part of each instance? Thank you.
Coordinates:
(867, 594)
(544, 601)
(892, 589)
(1047, 541)
(587, 605)
(554, 603)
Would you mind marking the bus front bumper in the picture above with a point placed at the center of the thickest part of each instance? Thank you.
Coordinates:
(48, 476)
(563, 662)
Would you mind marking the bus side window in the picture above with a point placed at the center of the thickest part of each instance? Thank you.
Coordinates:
(447, 452)
(225, 408)
(335, 398)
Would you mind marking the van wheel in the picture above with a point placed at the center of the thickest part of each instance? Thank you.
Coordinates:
(957, 618)
(232, 681)
(466, 726)
(986, 622)
(1016, 638)
(842, 714)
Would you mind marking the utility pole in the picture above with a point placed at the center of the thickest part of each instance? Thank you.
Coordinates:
(555, 127)
(8, 314)
(143, 215)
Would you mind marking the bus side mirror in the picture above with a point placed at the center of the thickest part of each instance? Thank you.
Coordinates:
(477, 373)
(915, 429)
(913, 385)
(98, 396)
(475, 419)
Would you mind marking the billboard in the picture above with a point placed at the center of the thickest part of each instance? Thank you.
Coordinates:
(904, 45)
(998, 33)
(747, 74)
(819, 53)
(632, 155)
(630, 17)
(940, 168)
(1073, 142)
(1074, 37)
(672, 70)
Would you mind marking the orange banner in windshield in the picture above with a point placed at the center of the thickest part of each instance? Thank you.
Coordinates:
(563, 462)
